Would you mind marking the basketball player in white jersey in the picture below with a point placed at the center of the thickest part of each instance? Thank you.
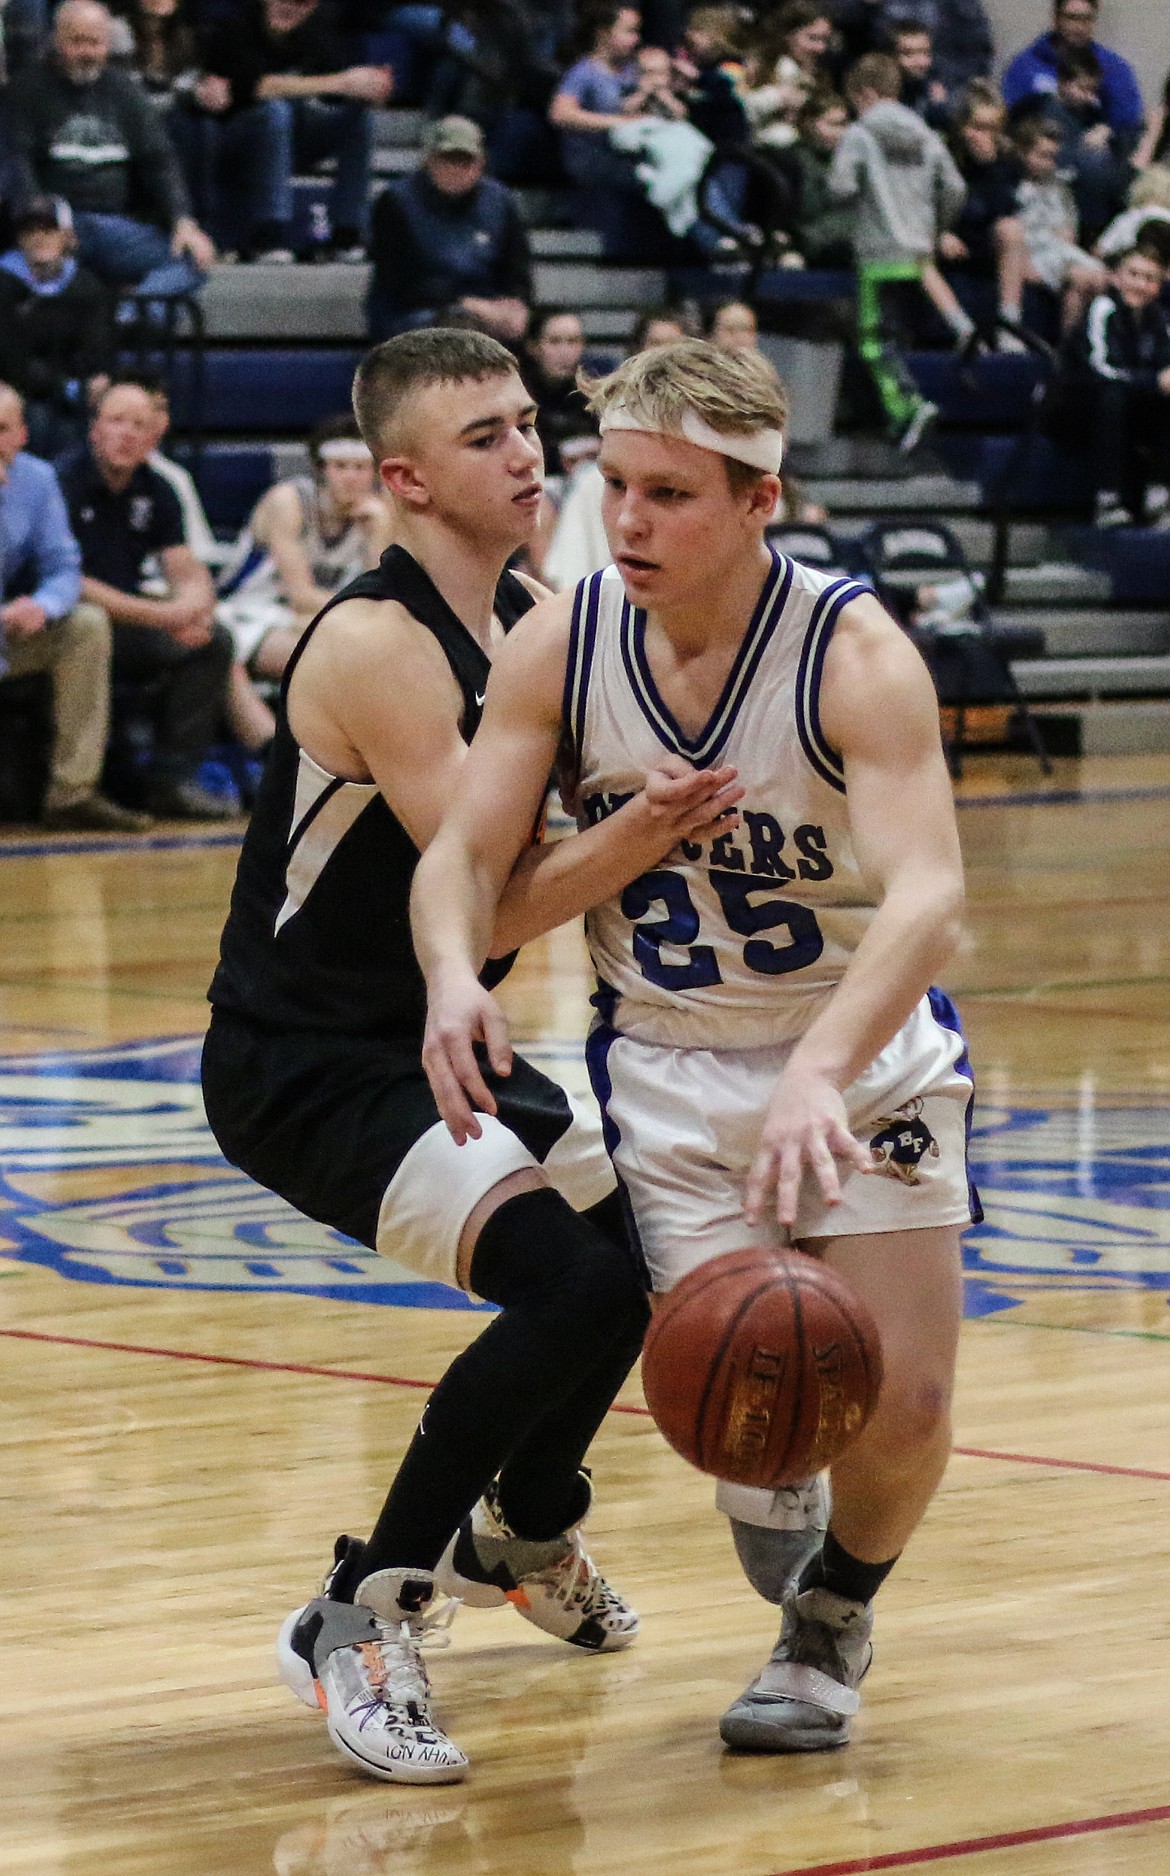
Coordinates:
(772, 1062)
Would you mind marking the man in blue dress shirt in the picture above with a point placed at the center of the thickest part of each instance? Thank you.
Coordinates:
(45, 628)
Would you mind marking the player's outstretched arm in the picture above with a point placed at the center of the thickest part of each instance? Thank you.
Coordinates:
(879, 710)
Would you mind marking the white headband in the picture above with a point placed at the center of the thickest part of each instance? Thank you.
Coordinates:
(759, 449)
(344, 449)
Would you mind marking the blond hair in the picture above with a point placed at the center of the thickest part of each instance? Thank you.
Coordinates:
(1152, 188)
(736, 393)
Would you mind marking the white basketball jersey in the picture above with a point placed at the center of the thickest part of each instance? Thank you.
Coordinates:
(740, 940)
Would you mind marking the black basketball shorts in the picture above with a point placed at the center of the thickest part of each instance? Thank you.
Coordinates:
(346, 1129)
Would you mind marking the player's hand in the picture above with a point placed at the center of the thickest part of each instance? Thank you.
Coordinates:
(460, 1013)
(806, 1129)
(679, 802)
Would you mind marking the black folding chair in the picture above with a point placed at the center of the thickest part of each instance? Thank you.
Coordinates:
(967, 654)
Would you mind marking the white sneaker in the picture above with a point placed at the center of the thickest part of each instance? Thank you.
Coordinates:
(1108, 512)
(555, 1585)
(361, 1663)
(806, 1695)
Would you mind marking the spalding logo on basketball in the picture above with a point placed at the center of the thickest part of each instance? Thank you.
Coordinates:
(761, 1367)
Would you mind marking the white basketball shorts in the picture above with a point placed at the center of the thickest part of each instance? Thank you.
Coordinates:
(683, 1128)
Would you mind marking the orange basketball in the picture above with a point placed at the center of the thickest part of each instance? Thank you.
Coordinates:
(761, 1367)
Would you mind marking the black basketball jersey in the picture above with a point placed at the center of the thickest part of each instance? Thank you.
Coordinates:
(318, 934)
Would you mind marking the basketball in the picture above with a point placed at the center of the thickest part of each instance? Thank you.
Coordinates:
(761, 1367)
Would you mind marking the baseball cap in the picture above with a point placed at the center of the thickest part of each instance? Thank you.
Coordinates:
(453, 136)
(43, 211)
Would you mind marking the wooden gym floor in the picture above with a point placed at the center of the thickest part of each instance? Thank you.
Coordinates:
(200, 1390)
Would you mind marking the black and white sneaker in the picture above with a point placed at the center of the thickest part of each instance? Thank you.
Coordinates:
(361, 1664)
(555, 1585)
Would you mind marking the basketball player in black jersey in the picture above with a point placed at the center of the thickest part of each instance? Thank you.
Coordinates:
(312, 1069)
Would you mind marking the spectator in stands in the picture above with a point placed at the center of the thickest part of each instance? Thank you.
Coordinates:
(706, 62)
(1033, 73)
(280, 93)
(1118, 369)
(305, 539)
(986, 241)
(734, 326)
(1145, 221)
(165, 54)
(591, 99)
(196, 527)
(56, 339)
(824, 225)
(960, 32)
(125, 516)
(785, 62)
(83, 130)
(449, 236)
(1155, 145)
(905, 189)
(1095, 158)
(922, 88)
(659, 325)
(1048, 214)
(566, 427)
(45, 628)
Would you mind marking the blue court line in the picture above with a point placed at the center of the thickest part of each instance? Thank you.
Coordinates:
(1063, 797)
(141, 843)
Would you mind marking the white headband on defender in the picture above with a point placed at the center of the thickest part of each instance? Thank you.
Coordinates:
(344, 449)
(759, 449)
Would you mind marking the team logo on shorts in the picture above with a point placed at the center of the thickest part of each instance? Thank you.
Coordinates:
(902, 1142)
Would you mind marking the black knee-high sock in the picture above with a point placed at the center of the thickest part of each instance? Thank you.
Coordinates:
(571, 1305)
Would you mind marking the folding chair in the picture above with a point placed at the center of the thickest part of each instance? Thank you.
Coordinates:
(967, 654)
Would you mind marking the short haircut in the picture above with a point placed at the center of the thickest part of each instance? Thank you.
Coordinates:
(1144, 249)
(396, 369)
(736, 393)
(978, 94)
(651, 317)
(814, 108)
(876, 71)
(910, 29)
(1078, 62)
(1059, 5)
(1036, 130)
(545, 317)
(329, 430)
(146, 381)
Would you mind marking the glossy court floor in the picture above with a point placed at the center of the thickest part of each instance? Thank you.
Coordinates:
(200, 1390)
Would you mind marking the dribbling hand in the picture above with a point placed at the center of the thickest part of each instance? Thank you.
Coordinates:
(460, 1013)
(806, 1126)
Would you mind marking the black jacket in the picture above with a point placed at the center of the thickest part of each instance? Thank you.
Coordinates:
(430, 249)
(243, 51)
(1114, 343)
(102, 146)
(50, 343)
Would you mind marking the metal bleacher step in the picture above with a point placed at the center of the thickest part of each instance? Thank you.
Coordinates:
(1103, 632)
(565, 244)
(1094, 677)
(1050, 582)
(320, 303)
(863, 496)
(399, 128)
(1129, 727)
(579, 284)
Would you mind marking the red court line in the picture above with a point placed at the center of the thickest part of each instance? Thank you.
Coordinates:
(1067, 1465)
(978, 1846)
(399, 1380)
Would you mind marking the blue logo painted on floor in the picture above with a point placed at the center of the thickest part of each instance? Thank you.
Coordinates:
(1074, 1200)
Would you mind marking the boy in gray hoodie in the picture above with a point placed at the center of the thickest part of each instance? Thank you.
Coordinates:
(905, 188)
